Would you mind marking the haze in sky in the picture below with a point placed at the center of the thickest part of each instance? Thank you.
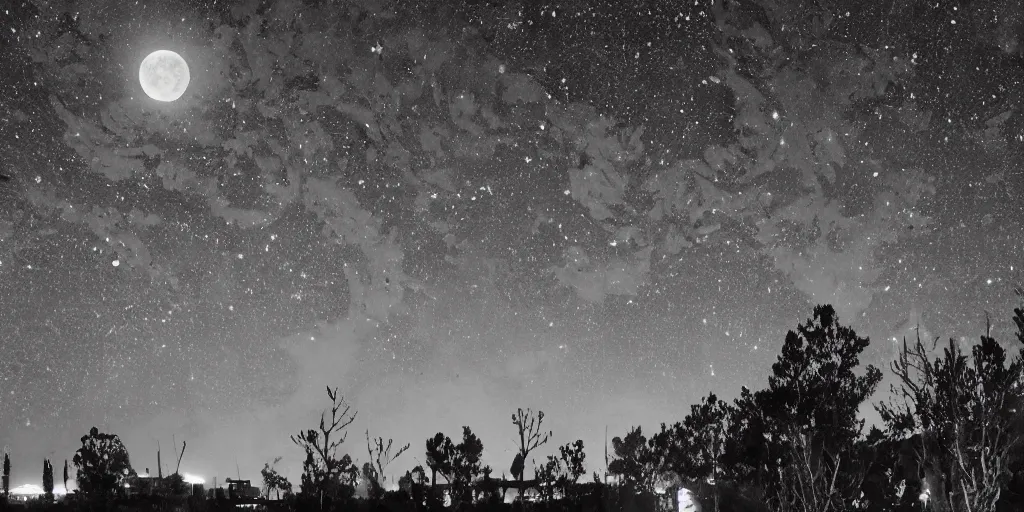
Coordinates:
(453, 209)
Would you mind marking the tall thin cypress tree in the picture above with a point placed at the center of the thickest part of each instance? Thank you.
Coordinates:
(65, 476)
(48, 479)
(7, 475)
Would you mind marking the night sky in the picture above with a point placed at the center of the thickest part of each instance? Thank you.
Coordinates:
(453, 209)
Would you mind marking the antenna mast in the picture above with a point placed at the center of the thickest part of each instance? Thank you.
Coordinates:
(180, 456)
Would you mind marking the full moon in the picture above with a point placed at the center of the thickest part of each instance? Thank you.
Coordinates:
(164, 75)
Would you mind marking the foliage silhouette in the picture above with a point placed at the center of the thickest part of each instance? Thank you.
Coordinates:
(47, 480)
(953, 431)
(459, 463)
(103, 464)
(274, 481)
(174, 485)
(440, 451)
(547, 477)
(561, 472)
(466, 465)
(325, 477)
(965, 412)
(7, 475)
(786, 438)
(693, 448)
(572, 458)
(414, 484)
(635, 461)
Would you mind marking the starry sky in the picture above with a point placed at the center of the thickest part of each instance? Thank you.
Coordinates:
(453, 209)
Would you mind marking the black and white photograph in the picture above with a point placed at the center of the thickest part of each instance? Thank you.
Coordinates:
(512, 255)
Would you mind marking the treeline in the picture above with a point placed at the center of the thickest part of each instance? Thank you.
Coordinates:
(950, 441)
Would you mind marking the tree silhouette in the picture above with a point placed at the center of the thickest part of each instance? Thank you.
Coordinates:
(561, 471)
(692, 450)
(7, 475)
(47, 480)
(573, 457)
(547, 477)
(466, 465)
(530, 437)
(413, 483)
(274, 481)
(65, 476)
(405, 483)
(173, 485)
(488, 486)
(694, 447)
(887, 471)
(380, 457)
(790, 442)
(635, 461)
(323, 473)
(102, 464)
(440, 452)
(459, 463)
(374, 489)
(964, 410)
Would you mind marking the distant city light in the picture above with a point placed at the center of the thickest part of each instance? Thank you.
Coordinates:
(35, 490)
(193, 479)
(27, 490)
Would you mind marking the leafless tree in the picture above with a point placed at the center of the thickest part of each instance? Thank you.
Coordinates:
(962, 410)
(812, 483)
(323, 467)
(380, 454)
(530, 437)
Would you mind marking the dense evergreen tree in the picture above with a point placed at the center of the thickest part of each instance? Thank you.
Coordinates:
(635, 461)
(791, 441)
(693, 448)
(102, 463)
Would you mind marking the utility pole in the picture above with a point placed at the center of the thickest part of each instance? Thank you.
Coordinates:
(606, 454)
